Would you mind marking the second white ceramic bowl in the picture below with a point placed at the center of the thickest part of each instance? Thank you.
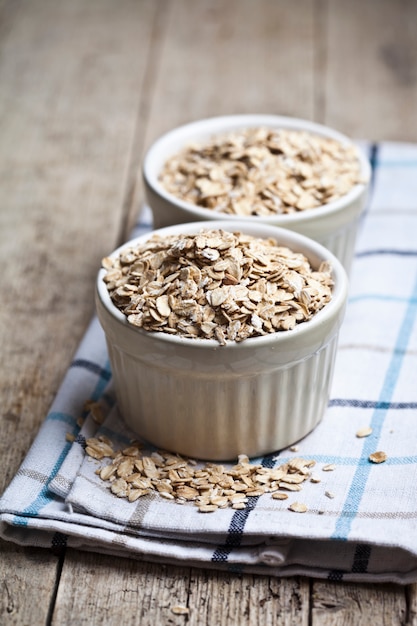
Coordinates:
(334, 225)
(200, 399)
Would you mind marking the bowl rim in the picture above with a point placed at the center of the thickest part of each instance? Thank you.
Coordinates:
(304, 244)
(157, 154)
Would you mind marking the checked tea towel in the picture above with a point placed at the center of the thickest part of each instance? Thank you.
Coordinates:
(361, 522)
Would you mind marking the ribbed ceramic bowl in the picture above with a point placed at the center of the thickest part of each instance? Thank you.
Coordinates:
(334, 225)
(197, 398)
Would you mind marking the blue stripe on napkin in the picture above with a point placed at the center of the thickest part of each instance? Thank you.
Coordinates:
(358, 485)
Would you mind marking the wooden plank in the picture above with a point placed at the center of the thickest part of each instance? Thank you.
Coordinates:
(371, 76)
(120, 589)
(223, 599)
(71, 76)
(234, 57)
(358, 605)
(25, 596)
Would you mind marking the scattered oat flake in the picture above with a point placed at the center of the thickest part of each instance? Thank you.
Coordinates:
(208, 508)
(364, 432)
(133, 473)
(378, 457)
(294, 448)
(279, 495)
(95, 410)
(329, 468)
(329, 494)
(315, 479)
(289, 486)
(298, 507)
(180, 609)
(70, 437)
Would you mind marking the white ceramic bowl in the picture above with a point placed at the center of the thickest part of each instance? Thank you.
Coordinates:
(334, 225)
(207, 401)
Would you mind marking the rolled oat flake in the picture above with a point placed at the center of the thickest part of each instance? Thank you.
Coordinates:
(378, 457)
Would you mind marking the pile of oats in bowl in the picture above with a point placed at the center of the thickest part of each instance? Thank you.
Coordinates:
(215, 284)
(263, 172)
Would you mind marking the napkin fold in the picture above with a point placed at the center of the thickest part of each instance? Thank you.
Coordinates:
(361, 518)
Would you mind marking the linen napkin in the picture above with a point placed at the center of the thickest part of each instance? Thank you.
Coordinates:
(360, 523)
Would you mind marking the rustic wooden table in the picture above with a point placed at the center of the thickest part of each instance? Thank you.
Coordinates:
(85, 86)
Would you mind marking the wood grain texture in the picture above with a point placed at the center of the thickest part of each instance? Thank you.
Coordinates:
(27, 583)
(371, 69)
(233, 57)
(225, 599)
(358, 605)
(146, 593)
(85, 86)
(118, 591)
